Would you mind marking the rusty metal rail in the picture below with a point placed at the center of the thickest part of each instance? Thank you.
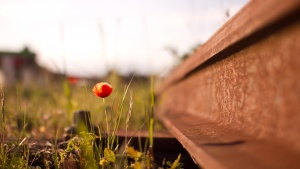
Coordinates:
(235, 103)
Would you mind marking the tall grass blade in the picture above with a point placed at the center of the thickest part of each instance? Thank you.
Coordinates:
(119, 113)
(3, 156)
(128, 116)
(151, 120)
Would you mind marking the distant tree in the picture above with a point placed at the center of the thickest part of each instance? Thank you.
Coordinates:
(179, 58)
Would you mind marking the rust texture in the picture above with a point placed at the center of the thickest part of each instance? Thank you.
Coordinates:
(236, 101)
(252, 18)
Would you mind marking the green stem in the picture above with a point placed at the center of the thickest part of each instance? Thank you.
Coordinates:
(3, 155)
(151, 122)
(107, 124)
(3, 115)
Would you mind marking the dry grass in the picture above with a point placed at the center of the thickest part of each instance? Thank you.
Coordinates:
(48, 108)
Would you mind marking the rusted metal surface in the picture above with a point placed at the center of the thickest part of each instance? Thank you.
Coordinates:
(236, 102)
(256, 16)
(218, 147)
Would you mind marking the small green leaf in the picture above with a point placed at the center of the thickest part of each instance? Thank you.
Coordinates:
(169, 163)
(109, 155)
(176, 162)
(180, 165)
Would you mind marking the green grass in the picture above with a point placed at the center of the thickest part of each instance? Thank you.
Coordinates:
(41, 112)
(45, 105)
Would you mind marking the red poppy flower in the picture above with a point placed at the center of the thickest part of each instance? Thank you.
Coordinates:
(72, 80)
(102, 89)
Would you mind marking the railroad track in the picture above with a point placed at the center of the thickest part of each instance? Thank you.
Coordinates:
(235, 103)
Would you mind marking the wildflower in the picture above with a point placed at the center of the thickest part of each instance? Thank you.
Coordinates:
(102, 89)
(136, 165)
(103, 162)
(132, 152)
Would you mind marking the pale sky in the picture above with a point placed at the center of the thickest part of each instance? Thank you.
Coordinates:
(89, 37)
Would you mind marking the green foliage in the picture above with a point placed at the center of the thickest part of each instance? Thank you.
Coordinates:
(16, 162)
(44, 112)
(49, 106)
(109, 155)
(176, 164)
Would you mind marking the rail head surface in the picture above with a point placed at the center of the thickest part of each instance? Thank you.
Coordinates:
(255, 16)
(235, 102)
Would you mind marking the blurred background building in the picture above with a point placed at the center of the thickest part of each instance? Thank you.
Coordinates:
(18, 66)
